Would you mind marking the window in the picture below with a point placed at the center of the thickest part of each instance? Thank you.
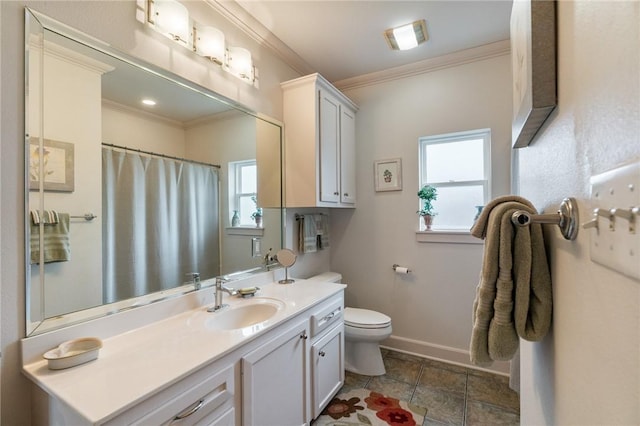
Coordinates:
(458, 165)
(242, 189)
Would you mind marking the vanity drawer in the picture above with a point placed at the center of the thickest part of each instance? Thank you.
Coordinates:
(326, 315)
(205, 397)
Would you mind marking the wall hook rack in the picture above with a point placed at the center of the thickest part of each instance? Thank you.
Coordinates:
(566, 218)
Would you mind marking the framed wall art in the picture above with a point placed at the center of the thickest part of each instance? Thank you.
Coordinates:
(57, 162)
(533, 64)
(388, 174)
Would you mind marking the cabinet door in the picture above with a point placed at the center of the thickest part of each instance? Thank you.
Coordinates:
(347, 156)
(329, 128)
(327, 364)
(274, 380)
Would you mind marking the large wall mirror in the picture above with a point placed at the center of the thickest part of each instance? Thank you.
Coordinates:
(125, 202)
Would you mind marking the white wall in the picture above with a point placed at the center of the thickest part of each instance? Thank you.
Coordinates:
(113, 22)
(125, 127)
(587, 370)
(431, 308)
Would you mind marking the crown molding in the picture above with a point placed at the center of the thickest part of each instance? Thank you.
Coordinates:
(239, 17)
(454, 59)
(64, 54)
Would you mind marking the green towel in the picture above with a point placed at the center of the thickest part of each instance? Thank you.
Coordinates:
(56, 240)
(307, 234)
(513, 298)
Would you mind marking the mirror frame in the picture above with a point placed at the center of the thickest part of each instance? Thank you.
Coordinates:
(35, 19)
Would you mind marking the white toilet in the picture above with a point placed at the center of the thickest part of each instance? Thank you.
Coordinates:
(364, 330)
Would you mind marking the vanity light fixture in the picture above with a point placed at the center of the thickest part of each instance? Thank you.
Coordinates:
(407, 36)
(171, 18)
(239, 63)
(209, 42)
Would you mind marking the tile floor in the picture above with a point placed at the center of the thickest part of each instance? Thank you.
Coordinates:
(453, 395)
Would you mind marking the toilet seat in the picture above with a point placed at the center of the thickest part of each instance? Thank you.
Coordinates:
(365, 318)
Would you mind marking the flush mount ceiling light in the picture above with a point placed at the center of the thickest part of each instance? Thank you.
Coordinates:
(149, 102)
(407, 36)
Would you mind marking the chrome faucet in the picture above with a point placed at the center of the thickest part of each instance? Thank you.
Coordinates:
(269, 260)
(218, 289)
(195, 276)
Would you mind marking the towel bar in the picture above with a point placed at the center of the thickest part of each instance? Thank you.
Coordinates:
(87, 216)
(298, 216)
(566, 218)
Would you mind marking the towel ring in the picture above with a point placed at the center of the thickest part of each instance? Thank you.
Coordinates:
(566, 218)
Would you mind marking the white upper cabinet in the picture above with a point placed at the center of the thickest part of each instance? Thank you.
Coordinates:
(319, 123)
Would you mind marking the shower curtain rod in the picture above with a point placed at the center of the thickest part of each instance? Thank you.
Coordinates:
(217, 166)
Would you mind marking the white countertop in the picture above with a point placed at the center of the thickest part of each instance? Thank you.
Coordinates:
(135, 364)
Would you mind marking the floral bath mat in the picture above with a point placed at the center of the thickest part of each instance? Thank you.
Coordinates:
(364, 407)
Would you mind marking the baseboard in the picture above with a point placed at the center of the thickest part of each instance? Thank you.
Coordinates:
(440, 353)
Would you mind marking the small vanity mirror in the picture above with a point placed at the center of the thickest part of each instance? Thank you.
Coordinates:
(286, 258)
(130, 203)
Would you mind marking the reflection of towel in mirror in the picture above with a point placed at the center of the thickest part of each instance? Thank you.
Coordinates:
(56, 236)
(322, 225)
(48, 217)
(512, 258)
(307, 232)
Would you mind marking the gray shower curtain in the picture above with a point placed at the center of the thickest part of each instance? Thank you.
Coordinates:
(160, 222)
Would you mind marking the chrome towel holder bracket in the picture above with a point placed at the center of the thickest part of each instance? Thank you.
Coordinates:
(566, 218)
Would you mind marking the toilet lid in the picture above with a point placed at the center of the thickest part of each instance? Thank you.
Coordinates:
(364, 318)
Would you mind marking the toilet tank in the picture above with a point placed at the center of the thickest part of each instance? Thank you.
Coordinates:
(327, 277)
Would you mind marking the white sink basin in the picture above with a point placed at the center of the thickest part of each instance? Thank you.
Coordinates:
(250, 314)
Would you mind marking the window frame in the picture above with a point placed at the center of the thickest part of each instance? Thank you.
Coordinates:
(236, 186)
(484, 135)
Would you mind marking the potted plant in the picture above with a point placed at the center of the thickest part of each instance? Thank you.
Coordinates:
(427, 195)
(257, 215)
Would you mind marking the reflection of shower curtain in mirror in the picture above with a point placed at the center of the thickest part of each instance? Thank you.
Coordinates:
(160, 222)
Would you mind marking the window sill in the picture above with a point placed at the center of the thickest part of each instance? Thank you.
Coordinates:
(447, 236)
(246, 230)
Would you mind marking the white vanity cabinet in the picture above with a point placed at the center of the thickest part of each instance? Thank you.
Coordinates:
(206, 397)
(326, 355)
(289, 380)
(319, 144)
(184, 370)
(274, 379)
(327, 368)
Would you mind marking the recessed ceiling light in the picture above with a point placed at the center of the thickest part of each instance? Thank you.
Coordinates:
(408, 36)
(149, 102)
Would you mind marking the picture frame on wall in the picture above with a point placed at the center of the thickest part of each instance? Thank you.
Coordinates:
(388, 174)
(533, 65)
(58, 165)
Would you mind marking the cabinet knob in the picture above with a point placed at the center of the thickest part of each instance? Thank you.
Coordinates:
(346, 194)
(336, 193)
(304, 335)
(321, 353)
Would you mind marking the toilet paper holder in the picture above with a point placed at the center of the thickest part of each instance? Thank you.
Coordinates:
(401, 269)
